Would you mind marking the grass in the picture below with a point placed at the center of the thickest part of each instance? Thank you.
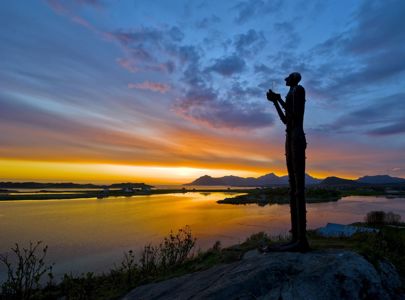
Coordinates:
(388, 243)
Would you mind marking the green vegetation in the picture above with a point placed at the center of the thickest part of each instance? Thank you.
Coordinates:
(264, 197)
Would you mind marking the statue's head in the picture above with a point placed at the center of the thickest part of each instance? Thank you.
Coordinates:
(293, 79)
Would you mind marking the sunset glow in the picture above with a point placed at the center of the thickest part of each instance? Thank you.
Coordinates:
(106, 173)
(161, 92)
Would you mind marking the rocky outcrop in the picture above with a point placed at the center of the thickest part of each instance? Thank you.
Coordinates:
(332, 274)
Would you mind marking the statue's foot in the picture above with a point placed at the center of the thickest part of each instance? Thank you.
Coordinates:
(294, 246)
(299, 246)
(274, 247)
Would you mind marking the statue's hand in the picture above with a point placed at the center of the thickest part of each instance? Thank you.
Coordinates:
(271, 96)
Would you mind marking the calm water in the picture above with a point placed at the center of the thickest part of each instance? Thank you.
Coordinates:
(91, 235)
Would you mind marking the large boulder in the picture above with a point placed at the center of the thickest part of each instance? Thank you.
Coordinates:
(332, 274)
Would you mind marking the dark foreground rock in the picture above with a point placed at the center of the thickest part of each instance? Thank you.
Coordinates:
(315, 275)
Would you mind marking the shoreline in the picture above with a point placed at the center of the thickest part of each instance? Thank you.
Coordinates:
(259, 196)
(69, 195)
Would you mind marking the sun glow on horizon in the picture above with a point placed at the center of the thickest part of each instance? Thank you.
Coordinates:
(19, 170)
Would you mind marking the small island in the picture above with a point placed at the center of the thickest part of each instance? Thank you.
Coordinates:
(280, 195)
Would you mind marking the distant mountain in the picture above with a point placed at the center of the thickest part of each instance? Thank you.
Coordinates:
(207, 180)
(265, 180)
(380, 179)
(332, 180)
(66, 185)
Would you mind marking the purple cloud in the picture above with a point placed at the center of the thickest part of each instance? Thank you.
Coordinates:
(228, 66)
(151, 86)
(203, 105)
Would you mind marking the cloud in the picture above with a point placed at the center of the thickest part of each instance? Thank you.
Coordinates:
(226, 114)
(373, 118)
(394, 128)
(207, 22)
(378, 27)
(262, 68)
(247, 10)
(370, 52)
(128, 64)
(200, 103)
(96, 3)
(228, 66)
(249, 43)
(151, 86)
(149, 49)
(148, 36)
(157, 49)
(71, 10)
(289, 36)
(69, 7)
(205, 106)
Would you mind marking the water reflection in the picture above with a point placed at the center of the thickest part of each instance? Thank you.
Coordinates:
(90, 234)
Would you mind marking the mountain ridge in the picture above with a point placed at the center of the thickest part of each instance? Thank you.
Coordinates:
(231, 180)
(272, 179)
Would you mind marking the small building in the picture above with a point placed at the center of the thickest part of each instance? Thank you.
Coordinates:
(146, 188)
(127, 190)
(103, 193)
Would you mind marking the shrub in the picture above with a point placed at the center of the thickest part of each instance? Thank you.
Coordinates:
(129, 268)
(382, 218)
(176, 248)
(25, 274)
(217, 246)
(149, 260)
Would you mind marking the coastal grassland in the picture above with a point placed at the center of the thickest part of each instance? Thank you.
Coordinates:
(176, 256)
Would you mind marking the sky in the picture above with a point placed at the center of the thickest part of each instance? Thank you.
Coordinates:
(167, 91)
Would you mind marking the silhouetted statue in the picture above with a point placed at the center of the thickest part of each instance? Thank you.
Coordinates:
(295, 145)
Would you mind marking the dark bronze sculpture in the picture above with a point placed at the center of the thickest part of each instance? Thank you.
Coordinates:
(295, 145)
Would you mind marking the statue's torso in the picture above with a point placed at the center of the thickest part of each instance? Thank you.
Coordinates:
(295, 108)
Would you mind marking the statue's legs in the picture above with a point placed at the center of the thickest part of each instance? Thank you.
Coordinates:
(298, 157)
(292, 183)
(295, 156)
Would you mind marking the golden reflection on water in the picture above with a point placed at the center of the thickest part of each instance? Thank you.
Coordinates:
(91, 234)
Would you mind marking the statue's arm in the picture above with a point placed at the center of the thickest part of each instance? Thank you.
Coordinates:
(275, 98)
(282, 102)
(280, 112)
